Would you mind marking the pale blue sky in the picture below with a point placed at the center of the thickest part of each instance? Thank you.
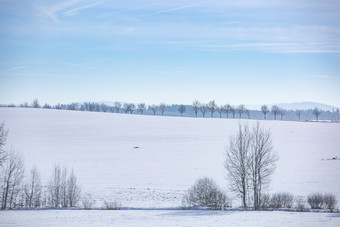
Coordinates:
(250, 52)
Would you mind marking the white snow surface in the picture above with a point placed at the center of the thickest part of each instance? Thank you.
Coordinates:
(81, 218)
(172, 153)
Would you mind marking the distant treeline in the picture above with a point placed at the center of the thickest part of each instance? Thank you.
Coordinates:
(197, 109)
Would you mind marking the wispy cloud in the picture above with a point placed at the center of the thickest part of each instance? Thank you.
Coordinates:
(325, 77)
(75, 11)
(12, 69)
(180, 8)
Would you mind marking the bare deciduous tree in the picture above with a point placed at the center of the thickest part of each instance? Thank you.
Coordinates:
(298, 114)
(275, 111)
(54, 186)
(3, 138)
(73, 106)
(35, 103)
(154, 109)
(204, 109)
(162, 108)
(250, 162)
(181, 109)
(58, 106)
(247, 111)
(240, 110)
(261, 162)
(33, 189)
(196, 106)
(47, 106)
(282, 112)
(117, 106)
(141, 107)
(73, 190)
(233, 111)
(12, 178)
(220, 110)
(132, 108)
(265, 111)
(227, 109)
(316, 112)
(212, 107)
(104, 107)
(236, 163)
(126, 107)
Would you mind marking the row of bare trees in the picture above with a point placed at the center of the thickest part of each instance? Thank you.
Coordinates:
(18, 191)
(196, 107)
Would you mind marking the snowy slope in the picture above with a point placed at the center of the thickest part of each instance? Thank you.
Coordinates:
(172, 152)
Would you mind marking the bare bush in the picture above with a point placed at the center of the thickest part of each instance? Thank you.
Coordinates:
(282, 200)
(87, 202)
(330, 201)
(300, 204)
(315, 200)
(3, 138)
(264, 202)
(205, 193)
(114, 205)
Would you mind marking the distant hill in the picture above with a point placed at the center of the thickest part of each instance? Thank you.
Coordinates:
(305, 106)
(296, 105)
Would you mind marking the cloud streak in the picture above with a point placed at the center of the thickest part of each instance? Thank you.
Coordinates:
(75, 11)
(180, 8)
(12, 69)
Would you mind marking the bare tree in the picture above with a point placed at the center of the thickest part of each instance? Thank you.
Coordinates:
(12, 178)
(132, 107)
(204, 109)
(58, 106)
(154, 109)
(162, 108)
(196, 106)
(227, 109)
(247, 111)
(117, 106)
(298, 114)
(35, 103)
(265, 111)
(233, 111)
(316, 112)
(212, 107)
(220, 110)
(3, 138)
(261, 162)
(33, 189)
(181, 109)
(240, 110)
(54, 186)
(63, 188)
(73, 190)
(141, 107)
(73, 106)
(47, 106)
(275, 111)
(236, 164)
(282, 112)
(126, 107)
(104, 107)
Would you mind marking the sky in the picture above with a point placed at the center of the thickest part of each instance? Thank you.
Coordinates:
(174, 51)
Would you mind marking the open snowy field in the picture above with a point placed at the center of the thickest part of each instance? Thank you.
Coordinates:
(149, 161)
(157, 218)
(172, 152)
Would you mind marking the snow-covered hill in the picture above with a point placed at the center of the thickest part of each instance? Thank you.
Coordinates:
(148, 161)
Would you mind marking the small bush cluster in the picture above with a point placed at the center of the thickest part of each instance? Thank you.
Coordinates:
(113, 205)
(322, 201)
(282, 200)
(205, 193)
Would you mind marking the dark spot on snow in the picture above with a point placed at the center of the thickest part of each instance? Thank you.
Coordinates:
(136, 147)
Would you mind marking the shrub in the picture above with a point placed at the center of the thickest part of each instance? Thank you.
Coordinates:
(315, 200)
(87, 202)
(300, 204)
(205, 193)
(265, 202)
(282, 200)
(115, 205)
(329, 201)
